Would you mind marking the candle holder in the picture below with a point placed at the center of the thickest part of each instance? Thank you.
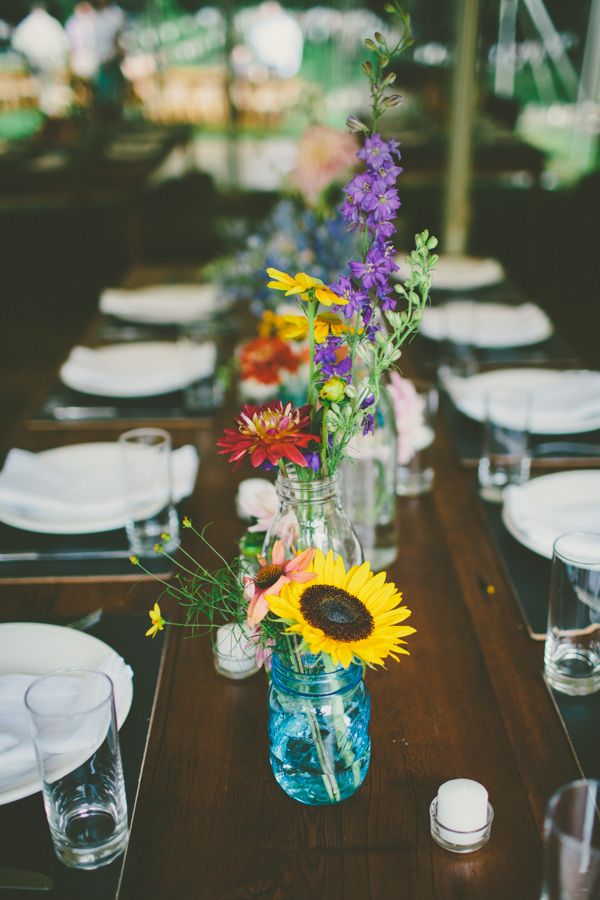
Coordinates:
(232, 667)
(460, 841)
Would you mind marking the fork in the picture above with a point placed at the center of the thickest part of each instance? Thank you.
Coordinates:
(88, 621)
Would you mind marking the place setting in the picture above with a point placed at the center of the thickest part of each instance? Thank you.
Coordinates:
(137, 380)
(557, 409)
(82, 510)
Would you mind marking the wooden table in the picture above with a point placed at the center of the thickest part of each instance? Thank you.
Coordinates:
(210, 822)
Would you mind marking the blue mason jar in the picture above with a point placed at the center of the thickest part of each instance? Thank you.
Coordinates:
(320, 748)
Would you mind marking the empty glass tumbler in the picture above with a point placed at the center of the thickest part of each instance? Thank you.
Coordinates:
(148, 492)
(572, 838)
(74, 730)
(572, 652)
(505, 456)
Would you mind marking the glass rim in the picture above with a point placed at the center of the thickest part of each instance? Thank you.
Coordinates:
(553, 802)
(573, 559)
(64, 671)
(134, 433)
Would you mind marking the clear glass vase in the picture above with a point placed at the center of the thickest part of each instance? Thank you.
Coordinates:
(311, 515)
(320, 748)
(369, 486)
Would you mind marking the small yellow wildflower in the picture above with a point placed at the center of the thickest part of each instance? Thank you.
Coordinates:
(165, 536)
(187, 522)
(301, 284)
(158, 623)
(333, 389)
(158, 548)
(134, 560)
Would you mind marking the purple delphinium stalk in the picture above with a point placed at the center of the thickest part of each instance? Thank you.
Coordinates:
(332, 364)
(313, 460)
(368, 424)
(371, 204)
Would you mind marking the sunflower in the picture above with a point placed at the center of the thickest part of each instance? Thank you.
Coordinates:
(348, 615)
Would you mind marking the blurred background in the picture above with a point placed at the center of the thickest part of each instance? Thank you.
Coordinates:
(160, 131)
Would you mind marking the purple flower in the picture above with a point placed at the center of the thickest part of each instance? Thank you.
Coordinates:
(375, 151)
(382, 230)
(387, 202)
(374, 272)
(368, 401)
(368, 424)
(344, 288)
(388, 172)
(330, 356)
(362, 191)
(313, 460)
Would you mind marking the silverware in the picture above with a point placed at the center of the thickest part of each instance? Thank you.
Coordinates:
(567, 448)
(73, 555)
(88, 621)
(23, 880)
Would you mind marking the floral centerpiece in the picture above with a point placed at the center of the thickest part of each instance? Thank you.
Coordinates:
(355, 326)
(316, 624)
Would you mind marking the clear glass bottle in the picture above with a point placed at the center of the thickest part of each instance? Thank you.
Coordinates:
(320, 748)
(311, 515)
(369, 486)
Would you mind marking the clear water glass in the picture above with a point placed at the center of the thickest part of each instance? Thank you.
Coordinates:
(458, 357)
(505, 455)
(148, 492)
(206, 394)
(572, 843)
(320, 748)
(74, 730)
(415, 471)
(572, 652)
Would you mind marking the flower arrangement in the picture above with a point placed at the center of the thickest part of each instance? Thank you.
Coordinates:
(355, 325)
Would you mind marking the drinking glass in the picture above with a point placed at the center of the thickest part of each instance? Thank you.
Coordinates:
(572, 652)
(416, 434)
(505, 457)
(206, 394)
(73, 725)
(572, 838)
(147, 476)
(458, 357)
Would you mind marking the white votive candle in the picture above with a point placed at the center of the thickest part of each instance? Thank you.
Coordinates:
(462, 814)
(235, 654)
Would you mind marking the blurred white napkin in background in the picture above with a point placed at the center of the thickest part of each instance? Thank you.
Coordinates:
(458, 273)
(138, 369)
(164, 304)
(486, 324)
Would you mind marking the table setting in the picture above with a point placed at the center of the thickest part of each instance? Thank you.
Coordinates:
(64, 513)
(343, 687)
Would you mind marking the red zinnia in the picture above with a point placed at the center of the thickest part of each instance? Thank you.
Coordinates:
(269, 433)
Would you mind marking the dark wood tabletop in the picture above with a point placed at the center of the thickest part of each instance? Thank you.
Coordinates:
(470, 701)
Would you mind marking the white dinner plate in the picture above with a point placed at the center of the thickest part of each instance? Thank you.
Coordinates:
(563, 401)
(486, 325)
(98, 460)
(539, 511)
(144, 369)
(458, 273)
(165, 304)
(31, 648)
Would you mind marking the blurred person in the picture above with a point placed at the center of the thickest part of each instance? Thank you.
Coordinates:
(81, 31)
(110, 83)
(41, 40)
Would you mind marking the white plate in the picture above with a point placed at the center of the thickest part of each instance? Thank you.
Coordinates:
(458, 273)
(564, 501)
(144, 369)
(468, 395)
(31, 648)
(487, 325)
(165, 304)
(92, 459)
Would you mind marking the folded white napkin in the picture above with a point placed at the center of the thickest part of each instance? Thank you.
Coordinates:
(486, 324)
(139, 369)
(17, 754)
(164, 303)
(458, 273)
(33, 485)
(542, 521)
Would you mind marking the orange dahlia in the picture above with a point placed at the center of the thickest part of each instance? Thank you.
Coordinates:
(269, 433)
(264, 357)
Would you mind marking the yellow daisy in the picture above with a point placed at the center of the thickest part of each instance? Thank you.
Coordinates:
(301, 284)
(349, 615)
(158, 623)
(296, 327)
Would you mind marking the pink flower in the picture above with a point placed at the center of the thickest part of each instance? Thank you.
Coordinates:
(271, 577)
(409, 415)
(325, 155)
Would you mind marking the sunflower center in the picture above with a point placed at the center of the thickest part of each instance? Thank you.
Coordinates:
(340, 615)
(267, 576)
